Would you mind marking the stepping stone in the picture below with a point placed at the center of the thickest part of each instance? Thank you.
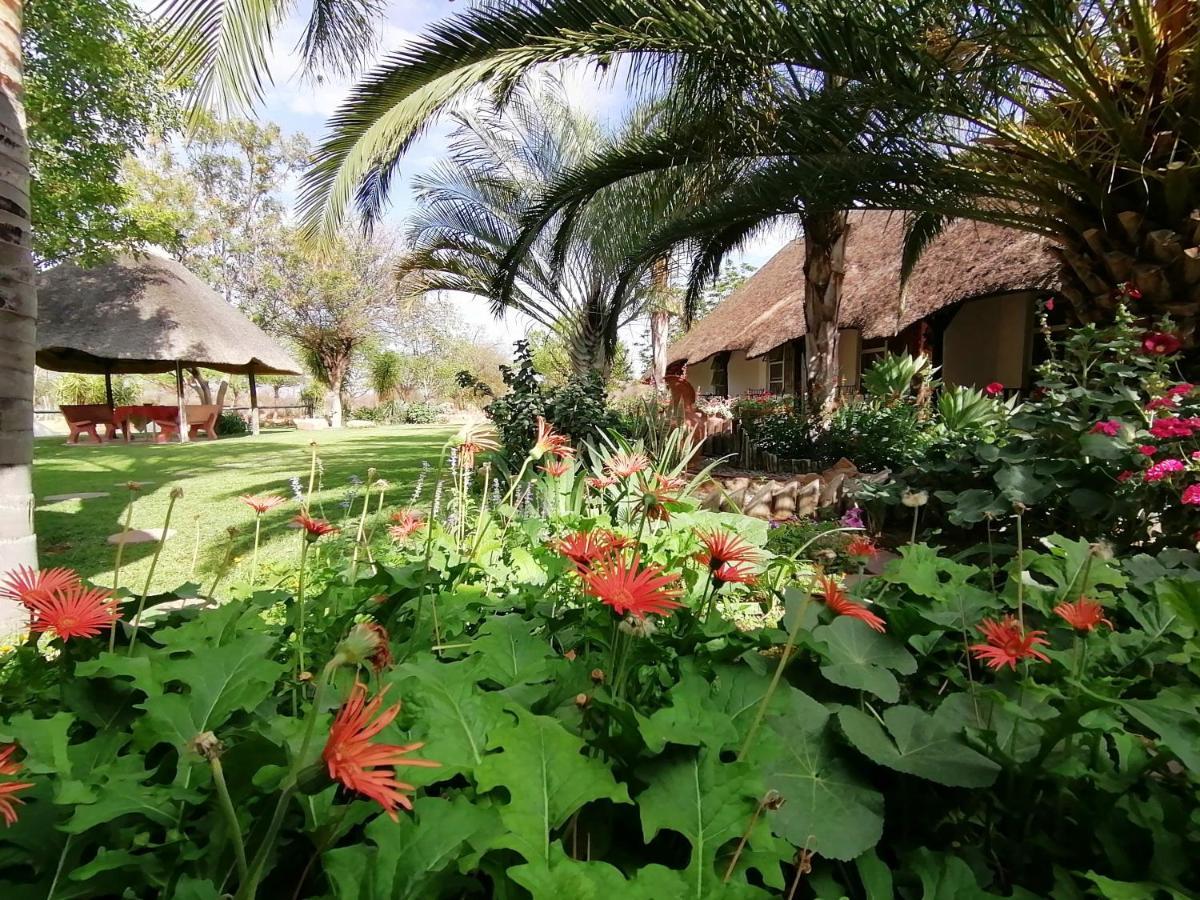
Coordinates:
(84, 495)
(123, 484)
(140, 536)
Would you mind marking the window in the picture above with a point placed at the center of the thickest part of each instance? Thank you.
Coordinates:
(775, 370)
(720, 375)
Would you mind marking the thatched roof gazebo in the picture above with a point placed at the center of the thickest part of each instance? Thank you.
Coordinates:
(147, 314)
(969, 260)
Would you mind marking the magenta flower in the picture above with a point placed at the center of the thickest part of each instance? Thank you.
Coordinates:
(1167, 402)
(1147, 449)
(1191, 495)
(1164, 469)
(1170, 427)
(1111, 427)
(1180, 390)
(1160, 343)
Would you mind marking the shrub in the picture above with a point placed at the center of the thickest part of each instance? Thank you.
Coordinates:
(788, 435)
(231, 424)
(874, 435)
(421, 414)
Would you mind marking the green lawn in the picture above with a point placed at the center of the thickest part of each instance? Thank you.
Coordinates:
(213, 474)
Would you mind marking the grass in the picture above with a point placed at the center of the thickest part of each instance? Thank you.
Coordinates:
(212, 475)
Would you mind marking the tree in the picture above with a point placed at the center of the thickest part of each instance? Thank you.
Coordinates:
(470, 207)
(329, 303)
(93, 95)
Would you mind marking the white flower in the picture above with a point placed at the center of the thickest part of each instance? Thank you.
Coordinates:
(913, 499)
(635, 627)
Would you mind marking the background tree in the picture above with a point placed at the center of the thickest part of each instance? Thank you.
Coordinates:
(93, 95)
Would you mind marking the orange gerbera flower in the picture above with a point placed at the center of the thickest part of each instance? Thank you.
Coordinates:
(475, 439)
(408, 521)
(656, 495)
(557, 468)
(627, 588)
(1007, 644)
(841, 604)
(624, 464)
(8, 802)
(731, 573)
(615, 541)
(600, 482)
(722, 547)
(1083, 614)
(76, 612)
(550, 441)
(862, 547)
(261, 503)
(582, 547)
(314, 529)
(30, 586)
(364, 767)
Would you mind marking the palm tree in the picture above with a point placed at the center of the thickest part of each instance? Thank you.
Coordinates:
(471, 207)
(1075, 120)
(18, 318)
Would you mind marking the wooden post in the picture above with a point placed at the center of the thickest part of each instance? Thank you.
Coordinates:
(108, 394)
(253, 404)
(183, 422)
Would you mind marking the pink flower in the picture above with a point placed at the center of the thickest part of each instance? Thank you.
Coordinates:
(994, 389)
(1049, 304)
(1111, 427)
(1180, 390)
(1130, 291)
(1171, 427)
(1164, 469)
(1191, 495)
(1167, 402)
(1147, 449)
(1125, 476)
(1160, 343)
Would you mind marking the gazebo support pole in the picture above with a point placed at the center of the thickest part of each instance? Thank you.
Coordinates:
(183, 422)
(108, 394)
(253, 404)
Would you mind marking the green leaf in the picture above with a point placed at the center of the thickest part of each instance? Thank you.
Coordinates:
(565, 877)
(917, 744)
(452, 715)
(1175, 717)
(190, 888)
(827, 807)
(695, 717)
(946, 877)
(1019, 484)
(547, 777)
(924, 572)
(1110, 889)
(876, 876)
(1183, 597)
(44, 742)
(859, 657)
(707, 801)
(1101, 446)
(406, 860)
(507, 654)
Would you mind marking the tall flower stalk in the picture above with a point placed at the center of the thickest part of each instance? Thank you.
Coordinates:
(311, 531)
(176, 493)
(133, 487)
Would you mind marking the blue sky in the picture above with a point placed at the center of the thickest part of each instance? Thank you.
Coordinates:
(298, 104)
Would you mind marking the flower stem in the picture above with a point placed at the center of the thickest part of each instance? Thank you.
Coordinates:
(1020, 570)
(254, 558)
(112, 632)
(162, 540)
(916, 515)
(358, 536)
(195, 549)
(300, 606)
(231, 819)
(741, 845)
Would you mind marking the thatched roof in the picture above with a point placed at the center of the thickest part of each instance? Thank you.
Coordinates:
(142, 314)
(969, 260)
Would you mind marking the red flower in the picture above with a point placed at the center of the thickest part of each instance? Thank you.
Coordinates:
(614, 541)
(1111, 427)
(656, 495)
(1083, 614)
(600, 483)
(1167, 402)
(722, 547)
(1007, 644)
(30, 586)
(1125, 476)
(261, 503)
(1164, 469)
(557, 468)
(1049, 304)
(1147, 449)
(1160, 343)
(994, 389)
(8, 802)
(1131, 291)
(624, 464)
(363, 767)
(862, 547)
(1191, 495)
(1180, 390)
(734, 573)
(314, 528)
(1170, 428)
(75, 612)
(408, 521)
(582, 547)
(837, 600)
(626, 588)
(550, 441)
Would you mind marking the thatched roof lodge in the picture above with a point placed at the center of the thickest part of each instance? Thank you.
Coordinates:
(145, 314)
(969, 304)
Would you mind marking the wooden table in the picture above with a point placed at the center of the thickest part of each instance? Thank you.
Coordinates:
(141, 415)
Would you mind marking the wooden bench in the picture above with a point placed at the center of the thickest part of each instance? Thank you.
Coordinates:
(84, 418)
(200, 418)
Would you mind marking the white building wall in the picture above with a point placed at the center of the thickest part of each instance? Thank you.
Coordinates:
(746, 374)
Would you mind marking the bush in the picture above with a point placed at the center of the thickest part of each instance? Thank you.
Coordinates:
(73, 389)
(421, 414)
(231, 424)
(788, 435)
(874, 435)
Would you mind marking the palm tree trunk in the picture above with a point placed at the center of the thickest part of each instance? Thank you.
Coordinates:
(824, 267)
(660, 322)
(18, 315)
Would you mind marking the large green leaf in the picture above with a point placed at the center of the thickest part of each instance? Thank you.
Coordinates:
(946, 877)
(827, 807)
(707, 801)
(542, 767)
(917, 744)
(409, 859)
(507, 654)
(698, 713)
(926, 573)
(452, 715)
(859, 657)
(44, 741)
(1174, 716)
